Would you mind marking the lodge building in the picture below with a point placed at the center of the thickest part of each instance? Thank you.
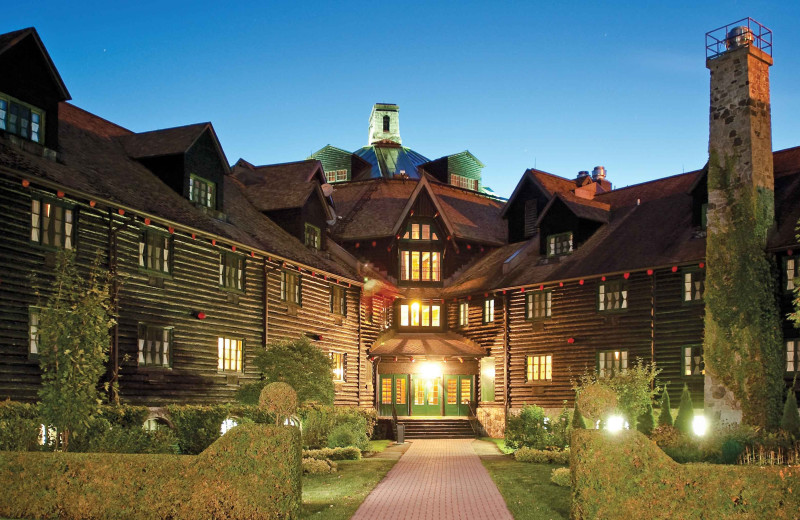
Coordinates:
(432, 295)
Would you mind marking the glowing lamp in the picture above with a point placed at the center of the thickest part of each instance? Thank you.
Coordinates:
(431, 370)
(25, 183)
(92, 203)
(699, 425)
(615, 423)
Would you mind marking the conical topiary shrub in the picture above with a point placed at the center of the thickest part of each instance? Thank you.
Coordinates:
(790, 422)
(665, 417)
(578, 422)
(646, 422)
(683, 422)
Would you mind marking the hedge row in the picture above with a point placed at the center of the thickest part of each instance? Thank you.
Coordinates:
(625, 475)
(348, 453)
(253, 471)
(542, 456)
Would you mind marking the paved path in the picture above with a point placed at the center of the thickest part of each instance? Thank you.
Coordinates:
(437, 479)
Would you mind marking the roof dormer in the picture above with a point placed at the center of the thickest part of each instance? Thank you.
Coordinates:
(567, 221)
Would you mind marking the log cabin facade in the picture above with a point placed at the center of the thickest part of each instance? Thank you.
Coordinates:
(433, 296)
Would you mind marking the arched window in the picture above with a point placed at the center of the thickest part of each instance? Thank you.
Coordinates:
(385, 123)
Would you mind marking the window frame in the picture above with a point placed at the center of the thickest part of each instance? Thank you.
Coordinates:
(409, 315)
(530, 305)
(340, 175)
(225, 259)
(210, 192)
(488, 310)
(32, 109)
(794, 349)
(692, 355)
(463, 314)
(624, 357)
(166, 256)
(603, 298)
(297, 279)
(222, 360)
(335, 357)
(312, 234)
(552, 241)
(543, 361)
(785, 280)
(692, 273)
(338, 300)
(34, 311)
(461, 181)
(69, 220)
(142, 336)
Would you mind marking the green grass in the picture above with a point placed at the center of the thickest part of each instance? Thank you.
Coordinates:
(378, 446)
(336, 496)
(501, 444)
(527, 489)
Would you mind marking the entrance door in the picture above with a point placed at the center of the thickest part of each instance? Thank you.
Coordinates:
(394, 391)
(427, 395)
(458, 394)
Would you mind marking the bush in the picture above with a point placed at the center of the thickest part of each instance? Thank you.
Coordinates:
(197, 426)
(348, 434)
(251, 472)
(318, 466)
(542, 456)
(319, 422)
(278, 399)
(527, 429)
(790, 422)
(646, 422)
(578, 422)
(561, 477)
(19, 426)
(560, 429)
(347, 453)
(133, 440)
(628, 392)
(683, 421)
(665, 417)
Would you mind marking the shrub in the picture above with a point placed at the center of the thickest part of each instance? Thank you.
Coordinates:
(578, 422)
(790, 422)
(527, 429)
(319, 422)
(197, 426)
(346, 453)
(542, 456)
(646, 422)
(665, 436)
(683, 421)
(665, 417)
(278, 399)
(19, 426)
(134, 440)
(318, 466)
(627, 392)
(560, 429)
(731, 450)
(348, 434)
(561, 477)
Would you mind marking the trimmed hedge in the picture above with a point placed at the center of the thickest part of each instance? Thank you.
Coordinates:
(348, 453)
(542, 456)
(561, 477)
(253, 471)
(318, 466)
(19, 426)
(625, 475)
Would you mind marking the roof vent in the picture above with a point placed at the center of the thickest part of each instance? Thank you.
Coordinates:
(582, 174)
(599, 173)
(740, 36)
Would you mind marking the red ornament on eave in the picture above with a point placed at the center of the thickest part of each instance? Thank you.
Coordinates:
(121, 211)
(650, 272)
(233, 248)
(674, 268)
(60, 194)
(201, 315)
(171, 230)
(702, 265)
(541, 287)
(469, 246)
(194, 236)
(522, 289)
(374, 243)
(789, 252)
(213, 241)
(581, 282)
(469, 297)
(252, 254)
(561, 284)
(626, 275)
(571, 341)
(358, 244)
(92, 203)
(603, 278)
(147, 222)
(25, 183)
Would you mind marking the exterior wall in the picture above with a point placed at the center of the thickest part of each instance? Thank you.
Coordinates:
(203, 159)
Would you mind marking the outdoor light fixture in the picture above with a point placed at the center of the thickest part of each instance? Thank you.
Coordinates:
(431, 370)
(615, 423)
(699, 425)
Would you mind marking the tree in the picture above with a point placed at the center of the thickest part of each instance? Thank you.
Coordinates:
(74, 339)
(302, 365)
(280, 400)
(578, 422)
(790, 422)
(665, 417)
(683, 422)
(646, 422)
(627, 392)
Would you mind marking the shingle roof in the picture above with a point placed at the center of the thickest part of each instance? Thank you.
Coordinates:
(93, 161)
(169, 141)
(787, 198)
(651, 190)
(277, 186)
(447, 344)
(9, 40)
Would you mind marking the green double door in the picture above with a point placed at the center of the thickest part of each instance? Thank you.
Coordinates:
(394, 393)
(459, 392)
(417, 395)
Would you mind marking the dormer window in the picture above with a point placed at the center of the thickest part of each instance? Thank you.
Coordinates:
(337, 175)
(418, 231)
(420, 254)
(202, 192)
(21, 119)
(559, 244)
(313, 236)
(464, 182)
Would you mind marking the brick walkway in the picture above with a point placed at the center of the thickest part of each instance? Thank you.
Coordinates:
(437, 479)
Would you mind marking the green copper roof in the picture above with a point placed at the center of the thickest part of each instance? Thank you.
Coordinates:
(388, 161)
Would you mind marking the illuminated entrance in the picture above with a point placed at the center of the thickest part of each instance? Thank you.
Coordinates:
(426, 395)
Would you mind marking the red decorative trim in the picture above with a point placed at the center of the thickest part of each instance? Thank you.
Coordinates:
(626, 275)
(213, 241)
(92, 203)
(603, 278)
(674, 268)
(581, 282)
(60, 194)
(571, 341)
(650, 272)
(194, 236)
(146, 221)
(171, 230)
(561, 284)
(233, 248)
(702, 265)
(25, 183)
(121, 211)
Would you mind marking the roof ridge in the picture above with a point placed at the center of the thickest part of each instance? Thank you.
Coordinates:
(95, 116)
(637, 185)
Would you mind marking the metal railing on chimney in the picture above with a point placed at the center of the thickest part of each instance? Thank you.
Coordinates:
(740, 33)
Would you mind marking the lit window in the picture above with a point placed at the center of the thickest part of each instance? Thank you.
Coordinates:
(539, 368)
(231, 271)
(539, 305)
(488, 310)
(464, 182)
(420, 266)
(154, 251)
(487, 379)
(792, 355)
(612, 361)
(291, 288)
(338, 364)
(386, 390)
(33, 330)
(560, 244)
(52, 224)
(693, 286)
(313, 237)
(338, 303)
(21, 119)
(612, 296)
(155, 346)
(791, 274)
(202, 192)
(229, 354)
(463, 314)
(336, 175)
(420, 315)
(420, 231)
(693, 361)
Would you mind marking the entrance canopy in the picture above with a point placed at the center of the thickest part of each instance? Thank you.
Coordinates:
(411, 344)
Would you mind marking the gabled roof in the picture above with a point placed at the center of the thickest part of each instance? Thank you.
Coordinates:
(280, 186)
(651, 190)
(787, 199)
(581, 208)
(547, 183)
(11, 39)
(169, 141)
(423, 184)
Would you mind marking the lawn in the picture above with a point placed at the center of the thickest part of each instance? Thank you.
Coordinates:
(527, 489)
(379, 446)
(336, 496)
(501, 444)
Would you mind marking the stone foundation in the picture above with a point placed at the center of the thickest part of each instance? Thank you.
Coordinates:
(493, 421)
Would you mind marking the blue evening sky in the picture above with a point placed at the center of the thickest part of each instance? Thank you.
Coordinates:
(561, 86)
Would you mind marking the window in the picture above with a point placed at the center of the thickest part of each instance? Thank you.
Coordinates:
(155, 346)
(464, 182)
(52, 224)
(531, 214)
(487, 379)
(420, 266)
(488, 310)
(539, 305)
(612, 361)
(693, 361)
(612, 296)
(386, 390)
(33, 331)
(420, 231)
(420, 315)
(229, 354)
(793, 355)
(790, 274)
(338, 363)
(539, 368)
(463, 314)
(231, 271)
(386, 123)
(560, 244)
(336, 175)
(202, 192)
(313, 236)
(154, 251)
(21, 119)
(338, 300)
(704, 216)
(693, 286)
(290, 287)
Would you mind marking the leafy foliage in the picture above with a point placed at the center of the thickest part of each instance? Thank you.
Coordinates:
(790, 422)
(742, 340)
(348, 434)
(528, 429)
(19, 426)
(561, 477)
(647, 421)
(665, 417)
(318, 466)
(525, 454)
(280, 400)
(320, 421)
(628, 392)
(299, 363)
(347, 453)
(74, 323)
(683, 422)
(197, 426)
(578, 422)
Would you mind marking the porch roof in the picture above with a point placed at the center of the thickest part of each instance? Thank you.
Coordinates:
(446, 344)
